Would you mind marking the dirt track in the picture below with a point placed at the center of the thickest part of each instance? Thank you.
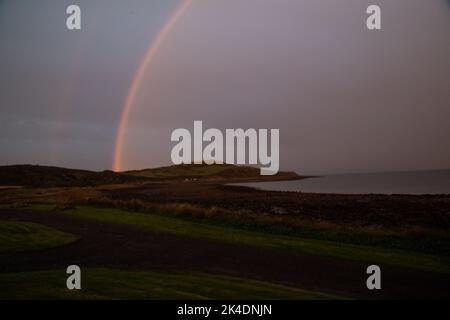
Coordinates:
(120, 246)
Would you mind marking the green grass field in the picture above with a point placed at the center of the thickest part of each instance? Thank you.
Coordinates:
(164, 224)
(115, 284)
(25, 236)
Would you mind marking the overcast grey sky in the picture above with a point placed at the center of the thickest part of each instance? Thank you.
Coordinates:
(345, 99)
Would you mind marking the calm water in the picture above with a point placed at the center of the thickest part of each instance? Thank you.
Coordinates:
(419, 182)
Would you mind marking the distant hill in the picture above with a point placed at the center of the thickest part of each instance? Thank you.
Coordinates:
(209, 172)
(44, 176)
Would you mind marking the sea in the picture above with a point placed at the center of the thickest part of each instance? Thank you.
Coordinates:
(411, 182)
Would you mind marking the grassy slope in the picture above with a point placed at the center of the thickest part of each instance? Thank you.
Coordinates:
(193, 229)
(24, 236)
(115, 284)
(181, 171)
(205, 171)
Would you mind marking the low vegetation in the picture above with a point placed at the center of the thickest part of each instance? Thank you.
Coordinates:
(115, 284)
(208, 172)
(410, 238)
(27, 236)
(184, 170)
(195, 229)
(44, 177)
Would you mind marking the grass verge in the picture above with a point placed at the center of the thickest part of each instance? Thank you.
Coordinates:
(18, 236)
(116, 284)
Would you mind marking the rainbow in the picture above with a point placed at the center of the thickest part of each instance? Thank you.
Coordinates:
(136, 81)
